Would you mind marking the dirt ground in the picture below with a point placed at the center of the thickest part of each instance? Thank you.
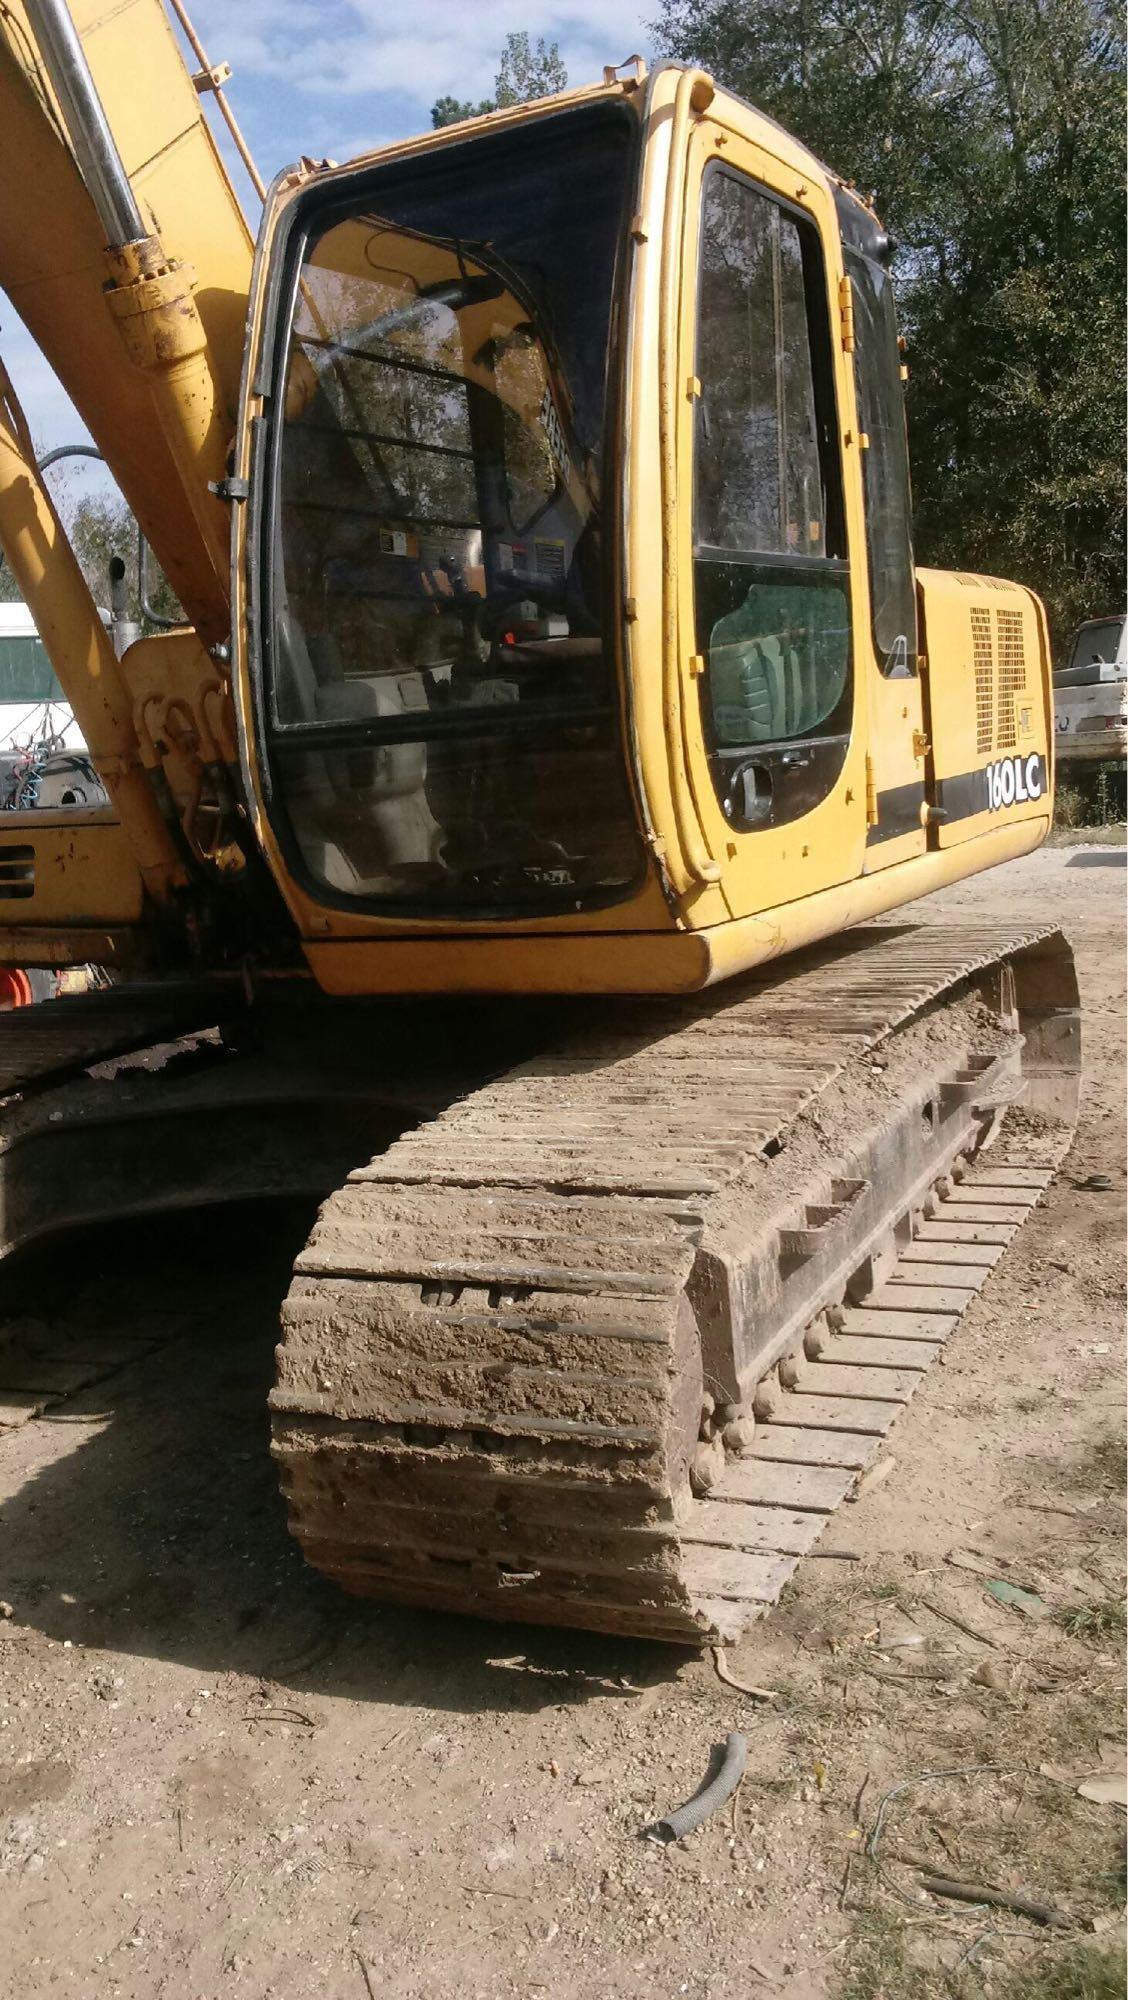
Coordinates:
(218, 1778)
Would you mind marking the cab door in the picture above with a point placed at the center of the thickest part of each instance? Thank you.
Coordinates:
(888, 655)
(770, 527)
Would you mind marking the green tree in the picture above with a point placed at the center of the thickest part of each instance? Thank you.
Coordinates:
(525, 70)
(100, 526)
(987, 131)
(452, 110)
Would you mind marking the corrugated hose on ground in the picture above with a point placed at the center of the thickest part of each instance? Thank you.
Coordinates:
(710, 1794)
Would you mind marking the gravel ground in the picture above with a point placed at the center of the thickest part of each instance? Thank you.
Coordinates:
(218, 1778)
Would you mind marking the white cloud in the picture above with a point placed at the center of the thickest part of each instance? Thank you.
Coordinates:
(348, 49)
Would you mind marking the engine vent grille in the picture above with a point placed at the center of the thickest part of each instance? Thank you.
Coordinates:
(982, 582)
(1012, 675)
(999, 659)
(984, 658)
(17, 873)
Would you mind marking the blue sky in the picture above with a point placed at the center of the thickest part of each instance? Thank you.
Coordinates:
(339, 77)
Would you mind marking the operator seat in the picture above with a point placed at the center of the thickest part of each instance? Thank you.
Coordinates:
(360, 813)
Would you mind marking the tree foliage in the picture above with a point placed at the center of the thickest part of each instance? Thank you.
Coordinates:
(525, 70)
(452, 110)
(100, 526)
(989, 133)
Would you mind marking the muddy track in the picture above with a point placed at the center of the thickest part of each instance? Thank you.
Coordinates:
(606, 1342)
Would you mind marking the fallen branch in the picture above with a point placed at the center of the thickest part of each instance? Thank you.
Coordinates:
(968, 1892)
(844, 1886)
(938, 1611)
(742, 1687)
(282, 1715)
(908, 1680)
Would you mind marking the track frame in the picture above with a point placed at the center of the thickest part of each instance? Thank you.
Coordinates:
(500, 1329)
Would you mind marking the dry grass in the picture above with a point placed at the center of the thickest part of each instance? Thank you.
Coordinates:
(1083, 1972)
(1090, 798)
(1103, 1463)
(887, 1960)
(1096, 1623)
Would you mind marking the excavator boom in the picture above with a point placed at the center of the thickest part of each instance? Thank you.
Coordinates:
(148, 170)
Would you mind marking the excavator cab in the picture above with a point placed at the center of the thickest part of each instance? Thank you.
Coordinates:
(577, 588)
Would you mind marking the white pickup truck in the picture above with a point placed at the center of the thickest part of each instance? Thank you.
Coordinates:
(1091, 696)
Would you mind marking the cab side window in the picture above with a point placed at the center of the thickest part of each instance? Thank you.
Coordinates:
(885, 466)
(771, 580)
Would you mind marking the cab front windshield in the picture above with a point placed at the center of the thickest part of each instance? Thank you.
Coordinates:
(443, 729)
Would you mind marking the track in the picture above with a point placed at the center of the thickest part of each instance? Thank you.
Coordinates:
(606, 1342)
(65, 1036)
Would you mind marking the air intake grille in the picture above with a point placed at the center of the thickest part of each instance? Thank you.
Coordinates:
(982, 582)
(17, 873)
(1012, 675)
(983, 656)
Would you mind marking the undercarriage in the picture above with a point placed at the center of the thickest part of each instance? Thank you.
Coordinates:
(608, 1304)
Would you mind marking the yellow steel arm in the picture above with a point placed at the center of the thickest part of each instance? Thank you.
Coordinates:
(158, 389)
(46, 569)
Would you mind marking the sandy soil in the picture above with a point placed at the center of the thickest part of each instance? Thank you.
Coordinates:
(219, 1778)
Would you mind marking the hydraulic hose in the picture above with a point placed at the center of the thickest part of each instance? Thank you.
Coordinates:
(710, 1795)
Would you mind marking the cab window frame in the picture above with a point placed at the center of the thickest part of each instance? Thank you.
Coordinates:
(311, 216)
(887, 496)
(789, 773)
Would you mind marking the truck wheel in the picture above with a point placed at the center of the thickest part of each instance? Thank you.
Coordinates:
(15, 988)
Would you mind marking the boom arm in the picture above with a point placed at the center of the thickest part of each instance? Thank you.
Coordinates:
(144, 331)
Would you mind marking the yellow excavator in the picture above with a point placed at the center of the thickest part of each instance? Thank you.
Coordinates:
(555, 693)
